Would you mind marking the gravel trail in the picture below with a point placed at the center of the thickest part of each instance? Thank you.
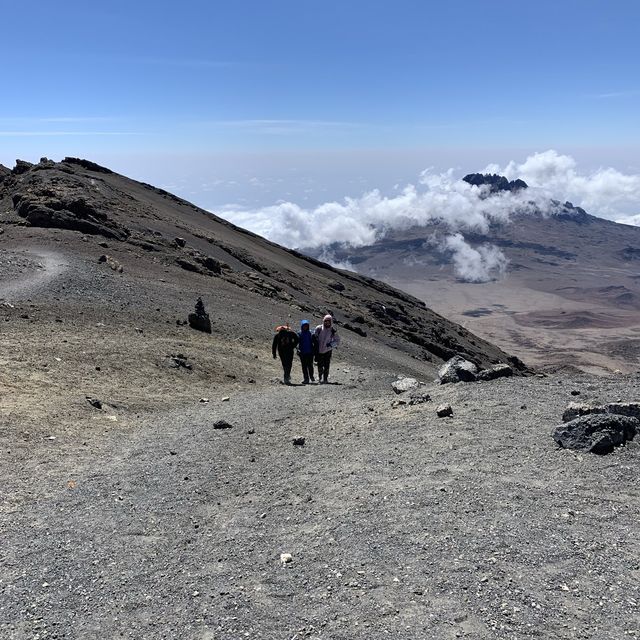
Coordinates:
(25, 271)
(399, 524)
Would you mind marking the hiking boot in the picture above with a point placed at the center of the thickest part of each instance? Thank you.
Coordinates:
(305, 381)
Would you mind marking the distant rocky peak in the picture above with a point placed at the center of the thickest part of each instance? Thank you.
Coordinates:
(495, 182)
(568, 211)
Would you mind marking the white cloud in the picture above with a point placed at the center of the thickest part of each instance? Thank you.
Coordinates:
(605, 192)
(454, 204)
(619, 94)
(329, 257)
(480, 264)
(360, 221)
(632, 220)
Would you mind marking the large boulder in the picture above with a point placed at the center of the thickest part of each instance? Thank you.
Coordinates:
(457, 370)
(405, 384)
(496, 371)
(631, 409)
(597, 433)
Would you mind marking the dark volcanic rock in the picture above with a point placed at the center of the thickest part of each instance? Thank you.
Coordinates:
(5, 172)
(222, 424)
(495, 182)
(200, 319)
(94, 402)
(22, 166)
(178, 361)
(597, 433)
(631, 409)
(144, 244)
(359, 330)
(457, 369)
(87, 164)
(388, 314)
(444, 411)
(48, 209)
(209, 263)
(418, 397)
(187, 265)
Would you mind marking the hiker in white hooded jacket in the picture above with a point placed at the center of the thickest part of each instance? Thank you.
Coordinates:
(328, 338)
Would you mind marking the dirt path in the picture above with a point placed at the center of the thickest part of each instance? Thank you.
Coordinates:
(27, 270)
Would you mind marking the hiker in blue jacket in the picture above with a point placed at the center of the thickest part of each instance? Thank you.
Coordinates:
(305, 351)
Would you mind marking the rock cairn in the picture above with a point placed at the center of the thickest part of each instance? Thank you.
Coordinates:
(200, 320)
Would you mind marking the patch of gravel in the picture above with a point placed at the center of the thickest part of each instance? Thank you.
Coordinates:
(14, 264)
(398, 524)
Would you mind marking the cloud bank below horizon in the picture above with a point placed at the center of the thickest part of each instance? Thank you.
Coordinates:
(454, 204)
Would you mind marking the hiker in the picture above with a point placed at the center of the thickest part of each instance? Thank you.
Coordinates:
(328, 338)
(285, 342)
(306, 341)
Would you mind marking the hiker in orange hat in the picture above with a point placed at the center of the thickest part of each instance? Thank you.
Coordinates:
(284, 343)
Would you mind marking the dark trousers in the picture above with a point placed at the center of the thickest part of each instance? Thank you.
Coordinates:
(286, 357)
(324, 361)
(306, 360)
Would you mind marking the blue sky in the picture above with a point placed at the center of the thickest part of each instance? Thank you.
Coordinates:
(258, 101)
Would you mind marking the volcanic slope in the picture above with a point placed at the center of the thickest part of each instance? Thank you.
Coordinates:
(570, 294)
(102, 270)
